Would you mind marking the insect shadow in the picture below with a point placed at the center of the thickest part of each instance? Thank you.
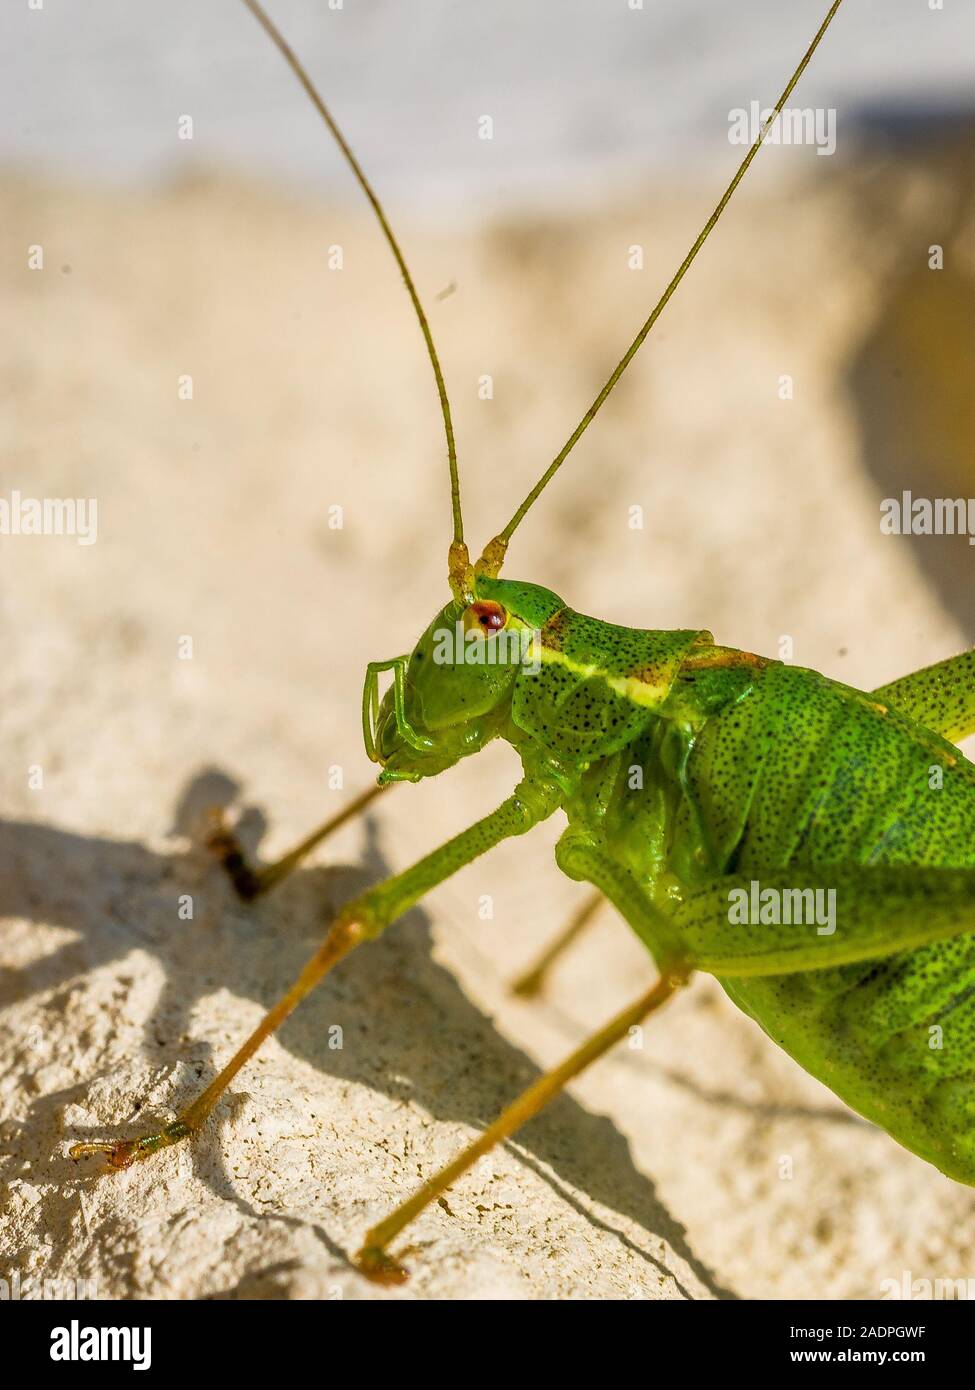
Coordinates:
(909, 377)
(409, 1030)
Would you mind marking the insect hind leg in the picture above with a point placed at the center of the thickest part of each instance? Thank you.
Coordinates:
(941, 697)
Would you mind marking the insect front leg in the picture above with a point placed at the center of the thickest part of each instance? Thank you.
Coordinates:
(249, 880)
(360, 920)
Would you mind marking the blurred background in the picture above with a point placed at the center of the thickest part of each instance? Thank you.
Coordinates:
(583, 93)
(218, 349)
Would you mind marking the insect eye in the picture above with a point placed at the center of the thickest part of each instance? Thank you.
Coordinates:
(485, 617)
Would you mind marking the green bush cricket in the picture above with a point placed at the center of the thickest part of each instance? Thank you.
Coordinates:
(809, 844)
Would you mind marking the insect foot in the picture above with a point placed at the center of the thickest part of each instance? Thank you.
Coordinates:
(380, 1268)
(345, 934)
(124, 1153)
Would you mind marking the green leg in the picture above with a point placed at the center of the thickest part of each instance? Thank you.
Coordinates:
(941, 697)
(359, 920)
(879, 910)
(374, 1260)
(581, 857)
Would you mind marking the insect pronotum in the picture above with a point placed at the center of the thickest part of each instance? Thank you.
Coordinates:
(756, 847)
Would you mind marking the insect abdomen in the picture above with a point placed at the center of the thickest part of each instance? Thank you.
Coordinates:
(894, 1038)
(839, 780)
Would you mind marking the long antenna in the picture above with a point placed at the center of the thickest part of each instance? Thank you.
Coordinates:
(291, 58)
(490, 562)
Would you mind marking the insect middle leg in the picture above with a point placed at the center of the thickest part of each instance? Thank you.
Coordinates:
(251, 881)
(581, 857)
(888, 910)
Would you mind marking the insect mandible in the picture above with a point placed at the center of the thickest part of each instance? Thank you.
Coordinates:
(784, 834)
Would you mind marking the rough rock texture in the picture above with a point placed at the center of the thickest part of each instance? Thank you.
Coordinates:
(703, 1165)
